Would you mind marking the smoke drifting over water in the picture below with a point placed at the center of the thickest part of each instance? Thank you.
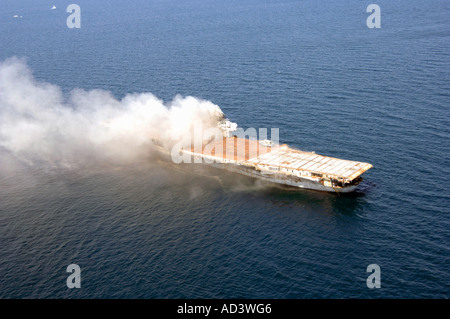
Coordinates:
(39, 124)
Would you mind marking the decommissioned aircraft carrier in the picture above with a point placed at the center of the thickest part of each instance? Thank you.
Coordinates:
(279, 164)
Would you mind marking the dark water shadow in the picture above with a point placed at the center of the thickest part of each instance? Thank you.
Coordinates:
(332, 203)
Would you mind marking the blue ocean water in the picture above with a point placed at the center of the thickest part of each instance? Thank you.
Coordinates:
(311, 68)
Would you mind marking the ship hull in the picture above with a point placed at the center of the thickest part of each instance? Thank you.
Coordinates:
(266, 169)
(282, 179)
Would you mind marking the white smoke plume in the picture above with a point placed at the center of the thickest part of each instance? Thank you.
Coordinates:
(39, 124)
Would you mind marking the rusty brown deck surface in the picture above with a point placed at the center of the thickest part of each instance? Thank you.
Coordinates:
(283, 157)
(234, 148)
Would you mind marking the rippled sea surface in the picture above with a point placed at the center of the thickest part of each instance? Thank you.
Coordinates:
(153, 229)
